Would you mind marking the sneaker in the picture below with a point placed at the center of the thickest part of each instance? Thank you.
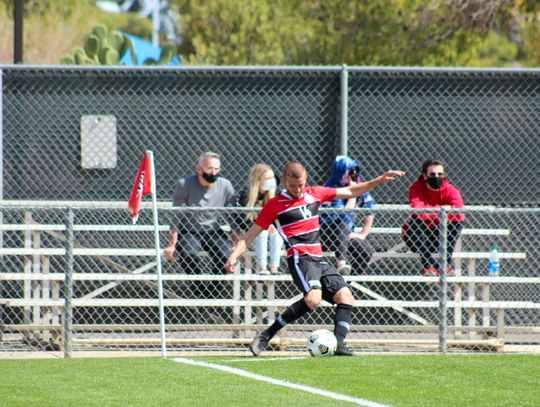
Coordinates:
(263, 272)
(430, 271)
(259, 343)
(450, 271)
(343, 350)
(344, 270)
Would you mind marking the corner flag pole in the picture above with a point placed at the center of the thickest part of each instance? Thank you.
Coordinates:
(145, 183)
(158, 254)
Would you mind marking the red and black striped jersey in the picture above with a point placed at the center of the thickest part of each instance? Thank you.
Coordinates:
(297, 219)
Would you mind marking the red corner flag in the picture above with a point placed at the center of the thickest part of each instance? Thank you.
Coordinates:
(142, 186)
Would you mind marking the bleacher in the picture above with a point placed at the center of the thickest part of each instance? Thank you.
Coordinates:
(110, 310)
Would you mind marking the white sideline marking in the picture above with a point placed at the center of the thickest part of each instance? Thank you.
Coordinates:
(308, 389)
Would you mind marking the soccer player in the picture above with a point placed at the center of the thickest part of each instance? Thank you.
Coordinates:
(294, 213)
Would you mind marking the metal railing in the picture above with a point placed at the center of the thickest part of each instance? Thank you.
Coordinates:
(78, 278)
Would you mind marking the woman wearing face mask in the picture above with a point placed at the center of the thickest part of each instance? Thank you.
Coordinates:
(421, 232)
(262, 186)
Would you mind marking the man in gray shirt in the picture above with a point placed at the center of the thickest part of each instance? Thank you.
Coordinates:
(192, 232)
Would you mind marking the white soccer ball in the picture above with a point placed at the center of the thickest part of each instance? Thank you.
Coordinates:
(321, 342)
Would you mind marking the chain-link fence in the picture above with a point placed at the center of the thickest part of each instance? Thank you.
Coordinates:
(78, 279)
(78, 133)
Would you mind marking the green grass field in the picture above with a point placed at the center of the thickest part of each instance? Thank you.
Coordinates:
(397, 380)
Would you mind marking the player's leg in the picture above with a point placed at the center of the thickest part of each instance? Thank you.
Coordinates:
(336, 291)
(344, 301)
(302, 273)
(291, 314)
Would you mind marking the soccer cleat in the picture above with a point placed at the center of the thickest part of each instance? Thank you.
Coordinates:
(430, 271)
(259, 343)
(343, 350)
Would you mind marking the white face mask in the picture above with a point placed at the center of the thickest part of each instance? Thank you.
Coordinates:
(268, 185)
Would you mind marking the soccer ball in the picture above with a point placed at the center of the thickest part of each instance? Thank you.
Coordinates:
(321, 342)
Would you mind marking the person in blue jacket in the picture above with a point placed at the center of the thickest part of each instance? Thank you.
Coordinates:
(352, 250)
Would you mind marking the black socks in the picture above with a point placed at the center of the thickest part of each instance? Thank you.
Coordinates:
(342, 322)
(291, 314)
(342, 319)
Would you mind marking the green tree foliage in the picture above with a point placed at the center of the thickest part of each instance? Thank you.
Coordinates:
(232, 32)
(530, 34)
(496, 51)
(480, 33)
(54, 27)
(368, 32)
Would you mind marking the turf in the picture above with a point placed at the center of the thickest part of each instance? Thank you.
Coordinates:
(398, 380)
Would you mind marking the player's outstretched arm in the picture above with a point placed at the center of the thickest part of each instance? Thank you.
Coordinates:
(241, 246)
(366, 186)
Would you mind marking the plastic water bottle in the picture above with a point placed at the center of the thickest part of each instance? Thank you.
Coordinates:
(494, 264)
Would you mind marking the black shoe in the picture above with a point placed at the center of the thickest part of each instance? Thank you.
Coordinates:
(259, 343)
(343, 350)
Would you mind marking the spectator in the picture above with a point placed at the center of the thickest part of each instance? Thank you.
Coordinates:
(262, 186)
(337, 229)
(190, 233)
(421, 232)
(294, 212)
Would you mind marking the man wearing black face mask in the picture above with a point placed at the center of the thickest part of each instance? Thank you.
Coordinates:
(191, 233)
(421, 232)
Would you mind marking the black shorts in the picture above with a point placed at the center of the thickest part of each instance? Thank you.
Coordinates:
(310, 273)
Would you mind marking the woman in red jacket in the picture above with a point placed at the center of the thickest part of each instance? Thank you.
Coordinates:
(421, 232)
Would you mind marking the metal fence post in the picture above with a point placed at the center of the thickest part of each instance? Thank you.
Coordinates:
(1, 137)
(443, 250)
(18, 32)
(1, 155)
(344, 104)
(68, 286)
